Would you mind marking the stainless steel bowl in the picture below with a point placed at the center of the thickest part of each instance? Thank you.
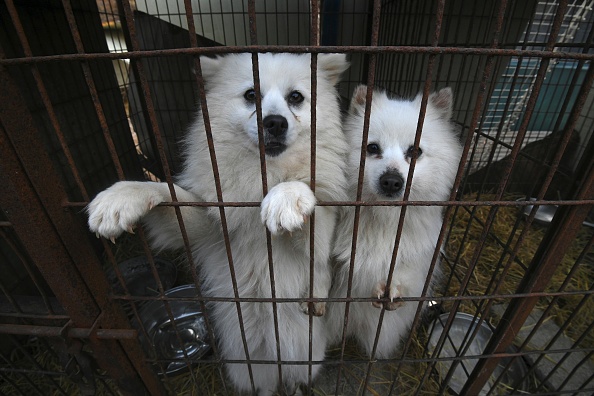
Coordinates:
(172, 343)
(455, 343)
(545, 213)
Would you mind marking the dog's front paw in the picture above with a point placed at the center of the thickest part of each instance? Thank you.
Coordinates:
(316, 308)
(287, 206)
(393, 293)
(120, 207)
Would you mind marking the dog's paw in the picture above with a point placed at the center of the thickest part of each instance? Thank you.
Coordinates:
(316, 308)
(287, 206)
(393, 293)
(120, 208)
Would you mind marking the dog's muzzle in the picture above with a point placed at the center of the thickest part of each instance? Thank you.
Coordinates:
(275, 133)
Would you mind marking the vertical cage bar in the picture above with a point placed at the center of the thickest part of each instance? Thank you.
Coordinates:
(33, 204)
(557, 240)
(256, 75)
(92, 90)
(208, 131)
(376, 13)
(501, 189)
(314, 41)
(44, 94)
(487, 72)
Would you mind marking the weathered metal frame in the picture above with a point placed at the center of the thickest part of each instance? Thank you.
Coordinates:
(41, 215)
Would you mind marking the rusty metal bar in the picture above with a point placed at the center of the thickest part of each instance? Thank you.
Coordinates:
(561, 232)
(314, 41)
(576, 111)
(147, 103)
(517, 145)
(421, 118)
(264, 178)
(355, 203)
(351, 299)
(55, 240)
(496, 141)
(512, 255)
(74, 332)
(371, 66)
(44, 94)
(348, 49)
(439, 14)
(256, 75)
(584, 91)
(19, 201)
(334, 362)
(554, 300)
(448, 213)
(210, 142)
(66, 4)
(52, 115)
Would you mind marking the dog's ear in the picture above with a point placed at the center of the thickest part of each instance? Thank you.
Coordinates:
(210, 67)
(357, 106)
(442, 102)
(333, 66)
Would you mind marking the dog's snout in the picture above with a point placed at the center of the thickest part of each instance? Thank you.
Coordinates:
(276, 125)
(391, 183)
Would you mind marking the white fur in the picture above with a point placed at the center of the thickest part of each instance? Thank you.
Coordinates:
(393, 124)
(285, 209)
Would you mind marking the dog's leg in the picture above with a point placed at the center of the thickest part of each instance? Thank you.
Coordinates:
(325, 220)
(123, 205)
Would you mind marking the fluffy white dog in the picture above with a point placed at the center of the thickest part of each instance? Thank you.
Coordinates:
(392, 129)
(285, 83)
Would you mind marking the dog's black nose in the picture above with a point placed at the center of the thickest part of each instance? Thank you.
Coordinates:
(391, 183)
(276, 125)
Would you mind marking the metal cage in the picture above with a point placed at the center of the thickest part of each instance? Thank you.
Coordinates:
(93, 92)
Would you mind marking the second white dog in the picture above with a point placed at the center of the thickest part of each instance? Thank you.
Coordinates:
(392, 129)
(285, 83)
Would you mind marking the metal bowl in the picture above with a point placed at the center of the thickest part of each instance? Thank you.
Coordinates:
(173, 341)
(455, 343)
(545, 213)
(138, 275)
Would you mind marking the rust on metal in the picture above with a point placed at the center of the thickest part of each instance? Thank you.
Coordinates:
(457, 181)
(43, 218)
(73, 332)
(32, 201)
(347, 49)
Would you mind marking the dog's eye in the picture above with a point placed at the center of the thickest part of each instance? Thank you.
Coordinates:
(295, 97)
(250, 95)
(410, 153)
(373, 148)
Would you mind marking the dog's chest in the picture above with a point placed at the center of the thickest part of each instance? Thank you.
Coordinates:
(377, 238)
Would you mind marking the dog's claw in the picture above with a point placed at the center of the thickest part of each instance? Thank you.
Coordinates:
(315, 309)
(130, 230)
(112, 239)
(382, 292)
(97, 235)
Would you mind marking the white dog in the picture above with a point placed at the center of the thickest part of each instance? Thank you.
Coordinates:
(285, 84)
(392, 129)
